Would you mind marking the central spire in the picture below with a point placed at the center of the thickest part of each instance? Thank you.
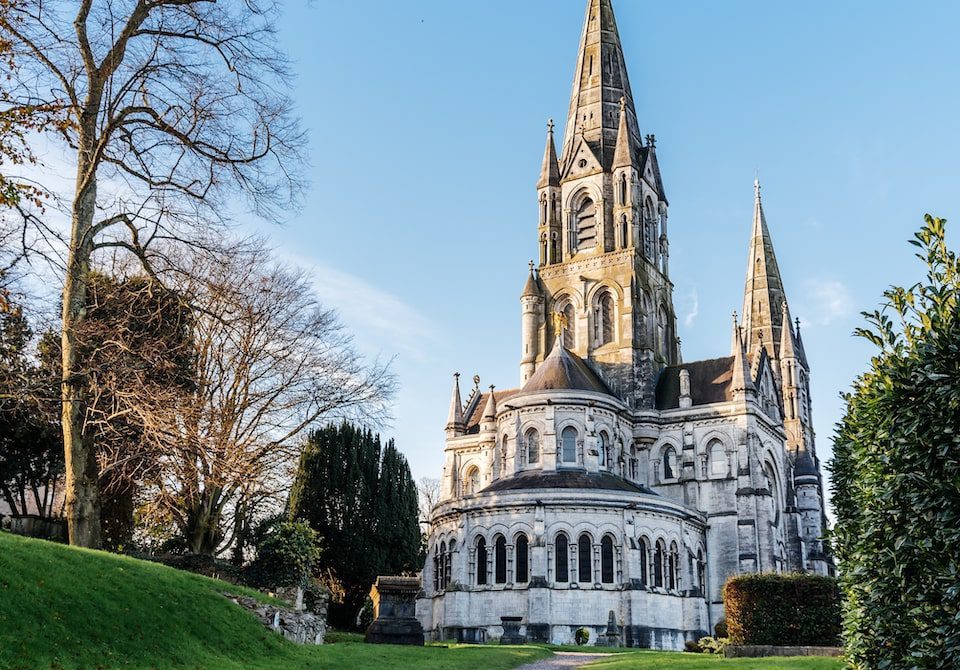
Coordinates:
(599, 83)
(764, 295)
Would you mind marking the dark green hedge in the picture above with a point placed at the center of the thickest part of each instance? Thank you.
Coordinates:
(783, 610)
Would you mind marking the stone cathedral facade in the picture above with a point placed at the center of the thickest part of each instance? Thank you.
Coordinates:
(618, 487)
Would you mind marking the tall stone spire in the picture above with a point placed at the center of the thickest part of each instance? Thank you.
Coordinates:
(600, 81)
(550, 172)
(764, 295)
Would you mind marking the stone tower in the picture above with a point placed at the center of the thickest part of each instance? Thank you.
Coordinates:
(603, 231)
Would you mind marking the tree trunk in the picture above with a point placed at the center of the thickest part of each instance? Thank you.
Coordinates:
(203, 530)
(83, 504)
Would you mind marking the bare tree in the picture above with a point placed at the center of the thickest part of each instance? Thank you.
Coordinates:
(428, 490)
(175, 113)
(268, 362)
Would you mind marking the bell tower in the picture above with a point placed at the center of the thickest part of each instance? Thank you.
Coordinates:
(602, 229)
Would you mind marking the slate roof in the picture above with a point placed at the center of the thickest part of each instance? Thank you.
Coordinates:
(566, 479)
(709, 382)
(563, 369)
(473, 421)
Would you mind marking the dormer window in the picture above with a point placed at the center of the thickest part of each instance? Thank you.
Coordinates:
(669, 464)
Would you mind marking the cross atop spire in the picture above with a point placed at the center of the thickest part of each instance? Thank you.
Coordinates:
(764, 294)
(600, 81)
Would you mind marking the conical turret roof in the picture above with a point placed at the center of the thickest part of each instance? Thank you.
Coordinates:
(563, 369)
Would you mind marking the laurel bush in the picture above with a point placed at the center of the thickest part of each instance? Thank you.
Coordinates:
(896, 476)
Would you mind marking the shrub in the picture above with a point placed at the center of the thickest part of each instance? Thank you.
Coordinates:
(783, 610)
(720, 630)
(713, 645)
(285, 557)
(582, 636)
(692, 646)
(896, 476)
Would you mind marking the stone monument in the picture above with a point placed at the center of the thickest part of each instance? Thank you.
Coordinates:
(394, 612)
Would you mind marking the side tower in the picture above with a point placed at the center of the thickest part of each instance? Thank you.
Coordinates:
(603, 229)
(770, 334)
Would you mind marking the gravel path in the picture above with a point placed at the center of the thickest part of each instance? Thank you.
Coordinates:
(562, 660)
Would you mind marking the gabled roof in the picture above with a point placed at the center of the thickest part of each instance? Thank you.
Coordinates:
(473, 421)
(709, 382)
(563, 369)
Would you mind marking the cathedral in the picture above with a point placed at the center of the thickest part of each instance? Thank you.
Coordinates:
(618, 487)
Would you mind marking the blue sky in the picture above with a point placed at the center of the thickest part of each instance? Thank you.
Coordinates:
(427, 124)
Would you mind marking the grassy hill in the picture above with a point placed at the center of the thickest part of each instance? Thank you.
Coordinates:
(65, 609)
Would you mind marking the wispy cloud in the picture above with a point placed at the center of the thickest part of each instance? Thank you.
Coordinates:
(693, 308)
(380, 321)
(825, 301)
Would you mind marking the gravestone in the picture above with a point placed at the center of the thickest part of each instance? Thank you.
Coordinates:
(511, 630)
(394, 612)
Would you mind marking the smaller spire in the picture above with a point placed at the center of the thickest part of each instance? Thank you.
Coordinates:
(490, 410)
(624, 154)
(801, 354)
(550, 171)
(455, 417)
(742, 383)
(788, 348)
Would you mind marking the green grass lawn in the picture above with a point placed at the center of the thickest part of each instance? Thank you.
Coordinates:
(66, 609)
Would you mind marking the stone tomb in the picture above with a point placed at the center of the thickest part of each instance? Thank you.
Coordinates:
(395, 612)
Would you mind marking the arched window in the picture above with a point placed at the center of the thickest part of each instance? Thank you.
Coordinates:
(533, 446)
(663, 333)
(602, 449)
(543, 210)
(448, 569)
(500, 560)
(606, 560)
(568, 439)
(584, 559)
(522, 561)
(669, 463)
(555, 246)
(569, 329)
(644, 561)
(442, 564)
(562, 551)
(603, 319)
(718, 458)
(543, 249)
(674, 565)
(624, 233)
(586, 225)
(659, 561)
(481, 561)
(472, 483)
(648, 228)
(701, 572)
(623, 189)
(437, 568)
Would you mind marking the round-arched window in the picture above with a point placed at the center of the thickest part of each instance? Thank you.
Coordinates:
(670, 463)
(586, 225)
(718, 458)
(602, 449)
(472, 481)
(532, 440)
(568, 445)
